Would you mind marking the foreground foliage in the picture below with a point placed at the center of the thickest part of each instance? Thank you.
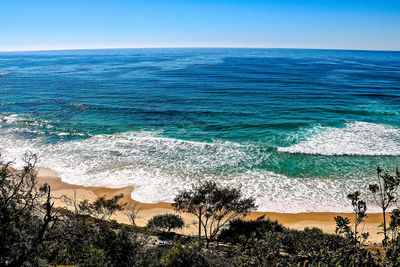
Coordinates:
(25, 213)
(34, 233)
(384, 192)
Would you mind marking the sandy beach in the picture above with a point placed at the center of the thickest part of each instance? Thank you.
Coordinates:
(322, 220)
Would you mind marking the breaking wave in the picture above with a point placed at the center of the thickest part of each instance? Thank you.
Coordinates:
(356, 138)
(158, 167)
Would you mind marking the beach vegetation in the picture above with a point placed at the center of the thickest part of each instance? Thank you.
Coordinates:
(309, 247)
(360, 214)
(26, 212)
(187, 255)
(241, 231)
(102, 208)
(384, 193)
(343, 226)
(166, 222)
(393, 250)
(132, 212)
(214, 205)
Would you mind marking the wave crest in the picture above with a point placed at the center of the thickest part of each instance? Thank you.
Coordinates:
(158, 167)
(356, 138)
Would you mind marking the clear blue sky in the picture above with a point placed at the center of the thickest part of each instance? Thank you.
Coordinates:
(69, 24)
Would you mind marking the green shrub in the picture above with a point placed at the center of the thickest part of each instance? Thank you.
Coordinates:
(122, 247)
(240, 230)
(309, 240)
(183, 256)
(261, 252)
(93, 256)
(166, 222)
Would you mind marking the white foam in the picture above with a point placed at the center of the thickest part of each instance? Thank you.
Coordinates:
(63, 134)
(279, 193)
(102, 158)
(158, 167)
(356, 138)
(10, 118)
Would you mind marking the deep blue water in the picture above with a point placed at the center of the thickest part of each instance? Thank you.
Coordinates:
(303, 127)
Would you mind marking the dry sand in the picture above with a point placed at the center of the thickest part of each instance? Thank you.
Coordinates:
(322, 220)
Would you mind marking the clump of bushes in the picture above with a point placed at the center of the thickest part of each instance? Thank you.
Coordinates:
(240, 231)
(187, 255)
(166, 222)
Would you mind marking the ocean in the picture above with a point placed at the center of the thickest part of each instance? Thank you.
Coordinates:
(296, 129)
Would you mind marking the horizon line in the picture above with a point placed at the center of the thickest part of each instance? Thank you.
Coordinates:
(193, 47)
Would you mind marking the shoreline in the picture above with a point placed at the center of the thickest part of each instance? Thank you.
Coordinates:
(323, 220)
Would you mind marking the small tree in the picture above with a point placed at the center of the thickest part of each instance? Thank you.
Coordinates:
(360, 214)
(102, 208)
(343, 226)
(214, 206)
(132, 212)
(166, 222)
(384, 192)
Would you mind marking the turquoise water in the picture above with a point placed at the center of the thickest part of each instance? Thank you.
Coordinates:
(298, 129)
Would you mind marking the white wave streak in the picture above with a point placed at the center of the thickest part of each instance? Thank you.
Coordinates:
(279, 193)
(9, 119)
(155, 166)
(158, 167)
(357, 138)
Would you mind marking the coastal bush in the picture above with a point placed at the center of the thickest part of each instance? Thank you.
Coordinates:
(214, 206)
(308, 240)
(360, 214)
(166, 222)
(310, 247)
(384, 192)
(122, 247)
(266, 243)
(33, 233)
(79, 241)
(92, 256)
(73, 243)
(343, 226)
(393, 251)
(240, 231)
(132, 212)
(394, 226)
(261, 252)
(25, 213)
(102, 208)
(187, 255)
